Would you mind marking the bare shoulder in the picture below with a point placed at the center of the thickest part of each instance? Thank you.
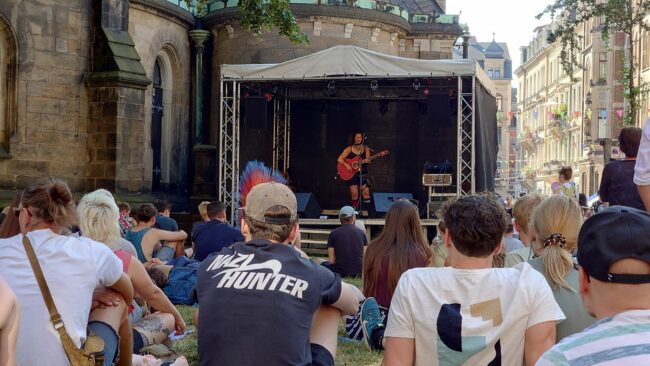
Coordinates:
(7, 302)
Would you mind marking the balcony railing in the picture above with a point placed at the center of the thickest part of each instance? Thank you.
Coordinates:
(182, 4)
(378, 5)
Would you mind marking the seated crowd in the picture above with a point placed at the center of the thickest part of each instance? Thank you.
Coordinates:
(571, 290)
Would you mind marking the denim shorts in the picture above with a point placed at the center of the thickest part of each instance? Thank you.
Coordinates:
(137, 313)
(165, 253)
(111, 340)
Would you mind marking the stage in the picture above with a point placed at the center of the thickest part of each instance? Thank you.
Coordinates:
(314, 232)
(299, 115)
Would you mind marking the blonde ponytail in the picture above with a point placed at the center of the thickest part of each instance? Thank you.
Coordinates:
(558, 263)
(556, 222)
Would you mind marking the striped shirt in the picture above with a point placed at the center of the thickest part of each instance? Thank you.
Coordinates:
(623, 339)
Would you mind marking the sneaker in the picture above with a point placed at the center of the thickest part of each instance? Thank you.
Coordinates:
(370, 321)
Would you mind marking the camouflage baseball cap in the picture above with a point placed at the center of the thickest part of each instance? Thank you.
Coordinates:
(266, 195)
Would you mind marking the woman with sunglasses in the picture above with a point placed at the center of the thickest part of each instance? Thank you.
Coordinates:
(72, 267)
(98, 220)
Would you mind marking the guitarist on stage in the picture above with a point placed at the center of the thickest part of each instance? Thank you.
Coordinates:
(358, 149)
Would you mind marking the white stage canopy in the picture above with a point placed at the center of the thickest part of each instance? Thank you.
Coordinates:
(355, 62)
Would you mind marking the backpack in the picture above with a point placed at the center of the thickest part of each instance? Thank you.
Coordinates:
(182, 280)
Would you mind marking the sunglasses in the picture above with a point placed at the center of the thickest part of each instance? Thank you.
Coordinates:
(18, 209)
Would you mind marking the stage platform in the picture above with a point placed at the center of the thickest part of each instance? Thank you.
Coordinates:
(314, 232)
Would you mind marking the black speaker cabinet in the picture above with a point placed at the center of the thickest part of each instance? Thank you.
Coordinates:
(383, 201)
(308, 207)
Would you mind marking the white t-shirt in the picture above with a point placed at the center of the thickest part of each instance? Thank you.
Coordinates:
(72, 267)
(470, 317)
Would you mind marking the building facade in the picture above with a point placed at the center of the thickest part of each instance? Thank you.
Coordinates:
(494, 58)
(567, 119)
(99, 92)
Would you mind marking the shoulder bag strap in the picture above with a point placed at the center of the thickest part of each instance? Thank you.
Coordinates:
(55, 318)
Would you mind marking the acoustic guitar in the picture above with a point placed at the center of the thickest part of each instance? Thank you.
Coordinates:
(356, 163)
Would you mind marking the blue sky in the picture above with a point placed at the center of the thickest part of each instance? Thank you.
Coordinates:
(513, 21)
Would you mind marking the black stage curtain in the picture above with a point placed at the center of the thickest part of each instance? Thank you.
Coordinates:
(486, 143)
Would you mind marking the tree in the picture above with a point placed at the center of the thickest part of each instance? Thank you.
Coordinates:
(626, 16)
(260, 15)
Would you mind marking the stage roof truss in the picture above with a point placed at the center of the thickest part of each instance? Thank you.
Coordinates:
(229, 146)
(233, 76)
(465, 172)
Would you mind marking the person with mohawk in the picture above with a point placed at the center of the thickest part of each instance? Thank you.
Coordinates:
(261, 302)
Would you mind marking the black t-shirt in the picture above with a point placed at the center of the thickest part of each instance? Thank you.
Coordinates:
(257, 301)
(617, 185)
(212, 236)
(348, 242)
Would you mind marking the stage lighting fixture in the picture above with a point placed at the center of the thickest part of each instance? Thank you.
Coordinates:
(416, 85)
(374, 85)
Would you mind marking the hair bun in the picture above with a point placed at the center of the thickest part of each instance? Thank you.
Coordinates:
(59, 193)
(555, 239)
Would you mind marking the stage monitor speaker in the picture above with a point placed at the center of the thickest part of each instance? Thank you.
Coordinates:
(438, 109)
(308, 207)
(255, 109)
(383, 201)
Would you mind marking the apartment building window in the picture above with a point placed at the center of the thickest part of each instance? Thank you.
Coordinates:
(602, 71)
(497, 73)
(602, 123)
(490, 72)
(499, 103)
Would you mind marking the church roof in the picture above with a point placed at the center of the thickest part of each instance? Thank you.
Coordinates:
(479, 50)
(493, 49)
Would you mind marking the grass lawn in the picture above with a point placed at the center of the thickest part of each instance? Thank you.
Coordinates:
(349, 354)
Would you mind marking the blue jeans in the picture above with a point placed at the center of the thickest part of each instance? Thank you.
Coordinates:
(111, 340)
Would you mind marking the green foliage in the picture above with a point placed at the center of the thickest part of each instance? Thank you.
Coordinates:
(630, 91)
(260, 15)
(615, 16)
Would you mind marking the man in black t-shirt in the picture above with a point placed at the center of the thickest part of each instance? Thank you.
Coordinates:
(346, 245)
(212, 236)
(261, 302)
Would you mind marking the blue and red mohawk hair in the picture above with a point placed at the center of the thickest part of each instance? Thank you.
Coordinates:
(256, 173)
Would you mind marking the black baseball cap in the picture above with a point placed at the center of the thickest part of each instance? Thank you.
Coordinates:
(611, 235)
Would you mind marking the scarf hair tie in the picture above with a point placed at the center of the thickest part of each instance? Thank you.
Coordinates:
(555, 239)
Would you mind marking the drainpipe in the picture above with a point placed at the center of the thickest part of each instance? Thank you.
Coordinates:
(198, 36)
(466, 37)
